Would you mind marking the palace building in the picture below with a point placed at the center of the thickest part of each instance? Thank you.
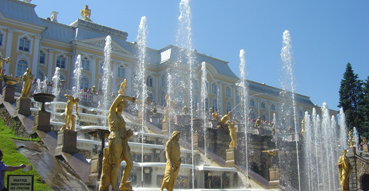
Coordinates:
(43, 44)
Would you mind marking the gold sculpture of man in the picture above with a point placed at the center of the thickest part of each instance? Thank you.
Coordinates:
(173, 153)
(118, 139)
(344, 170)
(27, 83)
(232, 133)
(69, 117)
(257, 123)
(86, 13)
(215, 114)
(225, 118)
(2, 60)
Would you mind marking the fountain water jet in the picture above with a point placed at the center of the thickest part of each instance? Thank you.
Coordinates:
(77, 75)
(204, 95)
(56, 89)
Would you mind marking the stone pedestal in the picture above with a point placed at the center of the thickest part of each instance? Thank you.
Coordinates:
(93, 177)
(229, 157)
(67, 142)
(366, 148)
(8, 94)
(273, 174)
(23, 106)
(164, 129)
(42, 121)
(195, 140)
(351, 151)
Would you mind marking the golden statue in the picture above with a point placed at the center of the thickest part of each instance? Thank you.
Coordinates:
(365, 140)
(257, 123)
(27, 83)
(303, 126)
(105, 180)
(86, 13)
(185, 109)
(123, 87)
(118, 140)
(173, 155)
(215, 114)
(69, 117)
(94, 89)
(344, 170)
(225, 118)
(232, 133)
(350, 138)
(2, 60)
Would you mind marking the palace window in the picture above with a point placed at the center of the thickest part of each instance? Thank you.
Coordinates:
(60, 61)
(21, 67)
(150, 97)
(84, 83)
(24, 44)
(85, 64)
(40, 75)
(263, 118)
(149, 81)
(272, 107)
(1, 39)
(228, 91)
(163, 80)
(206, 104)
(121, 71)
(228, 107)
(101, 67)
(42, 57)
(214, 104)
(263, 105)
(252, 102)
(214, 88)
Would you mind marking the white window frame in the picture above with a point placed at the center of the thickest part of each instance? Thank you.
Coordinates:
(30, 41)
(19, 67)
(214, 88)
(39, 57)
(86, 63)
(121, 72)
(65, 61)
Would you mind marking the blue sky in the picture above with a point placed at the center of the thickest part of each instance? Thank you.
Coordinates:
(326, 35)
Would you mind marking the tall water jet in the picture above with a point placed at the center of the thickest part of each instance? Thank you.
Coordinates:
(286, 56)
(170, 97)
(307, 150)
(56, 88)
(244, 105)
(107, 75)
(141, 42)
(184, 37)
(343, 131)
(77, 75)
(204, 95)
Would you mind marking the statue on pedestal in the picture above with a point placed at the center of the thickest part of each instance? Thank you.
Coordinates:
(173, 155)
(257, 123)
(2, 60)
(27, 83)
(232, 133)
(86, 13)
(225, 118)
(69, 117)
(344, 170)
(118, 140)
(351, 138)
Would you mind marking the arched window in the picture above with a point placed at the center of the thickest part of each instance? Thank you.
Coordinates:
(21, 67)
(24, 44)
(150, 97)
(272, 107)
(228, 107)
(214, 88)
(101, 67)
(1, 39)
(149, 81)
(84, 83)
(42, 57)
(207, 86)
(85, 63)
(252, 102)
(214, 104)
(252, 116)
(121, 71)
(228, 91)
(263, 105)
(60, 61)
(263, 118)
(40, 75)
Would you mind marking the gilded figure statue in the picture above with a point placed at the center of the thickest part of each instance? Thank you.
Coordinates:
(257, 123)
(69, 116)
(232, 133)
(2, 60)
(303, 126)
(86, 13)
(118, 140)
(27, 83)
(172, 152)
(365, 140)
(344, 170)
(225, 118)
(351, 137)
(215, 114)
(105, 180)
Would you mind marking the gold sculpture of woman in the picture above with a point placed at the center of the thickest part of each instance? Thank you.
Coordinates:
(118, 141)
(232, 133)
(344, 170)
(2, 60)
(69, 117)
(173, 153)
(27, 83)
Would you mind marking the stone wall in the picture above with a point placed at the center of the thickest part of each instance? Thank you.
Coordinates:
(13, 123)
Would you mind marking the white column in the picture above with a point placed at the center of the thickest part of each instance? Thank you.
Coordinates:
(93, 70)
(8, 48)
(157, 94)
(50, 63)
(115, 69)
(36, 53)
(73, 58)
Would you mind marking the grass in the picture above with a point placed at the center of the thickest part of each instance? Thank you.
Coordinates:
(13, 158)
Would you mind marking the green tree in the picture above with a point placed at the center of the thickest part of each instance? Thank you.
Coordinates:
(350, 98)
(364, 108)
